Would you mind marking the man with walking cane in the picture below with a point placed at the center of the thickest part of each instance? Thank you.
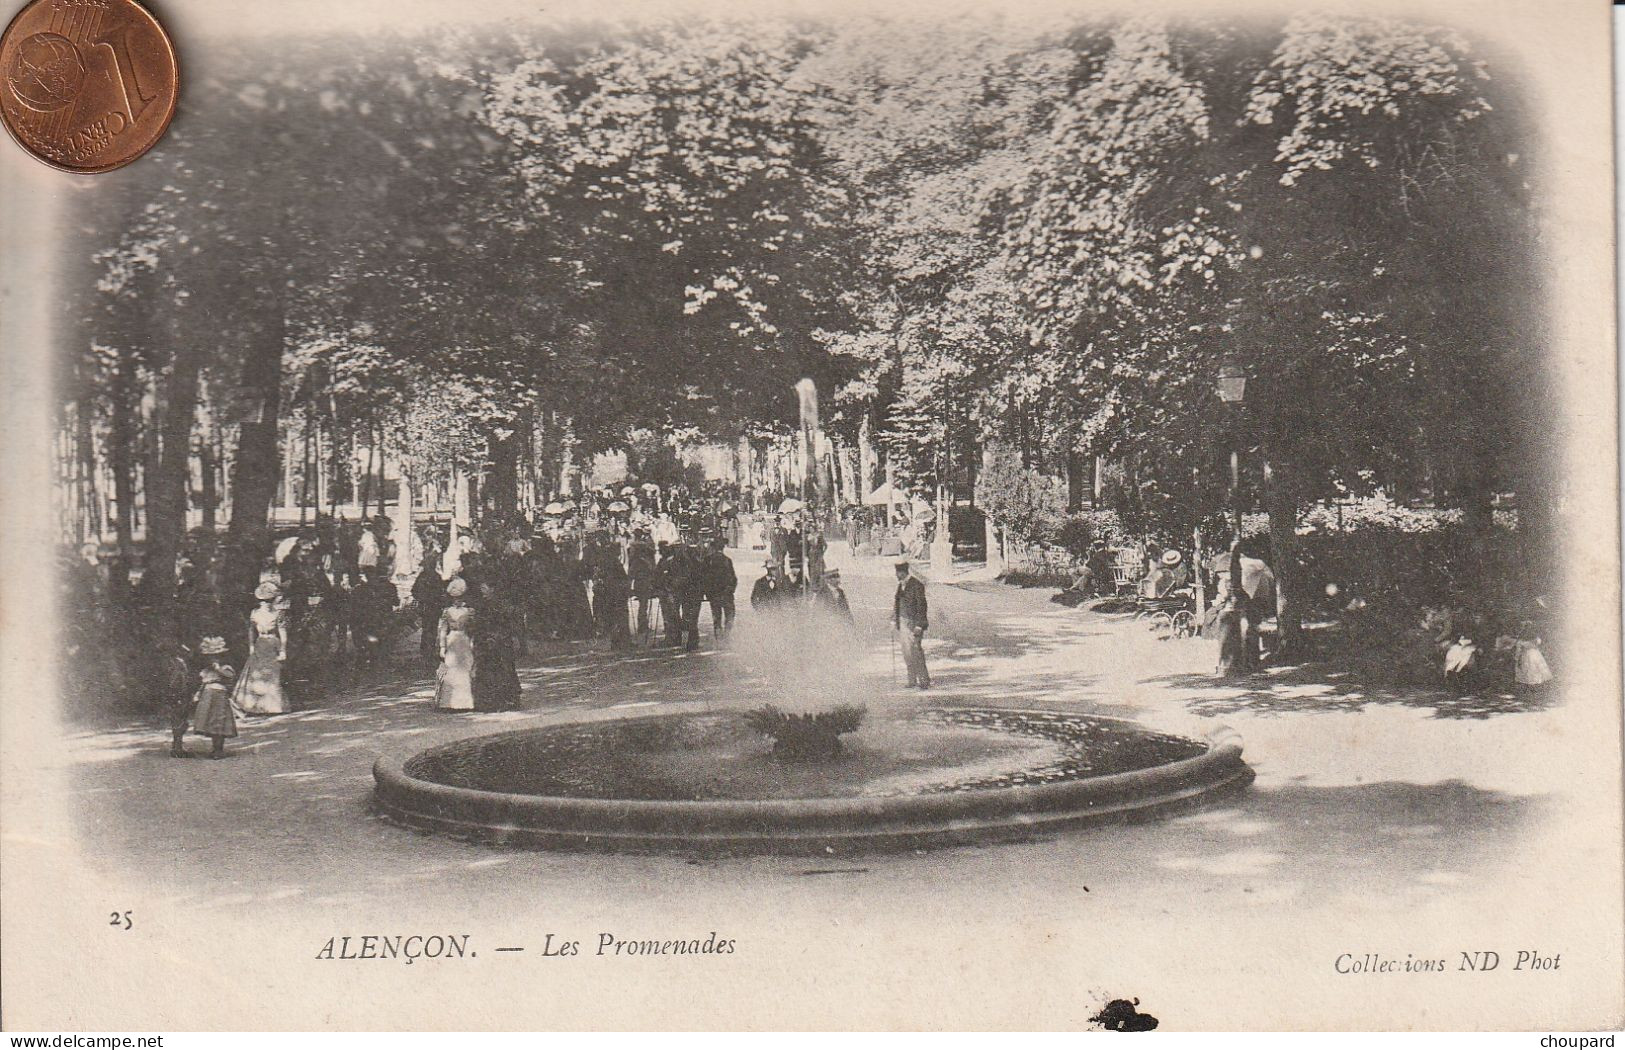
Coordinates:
(909, 624)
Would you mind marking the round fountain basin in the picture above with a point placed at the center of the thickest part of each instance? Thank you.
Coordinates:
(706, 781)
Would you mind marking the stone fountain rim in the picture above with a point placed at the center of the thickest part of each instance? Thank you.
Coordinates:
(876, 821)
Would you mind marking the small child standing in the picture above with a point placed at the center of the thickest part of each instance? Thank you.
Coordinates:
(213, 716)
(175, 694)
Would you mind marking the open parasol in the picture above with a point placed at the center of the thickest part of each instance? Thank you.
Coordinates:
(1257, 578)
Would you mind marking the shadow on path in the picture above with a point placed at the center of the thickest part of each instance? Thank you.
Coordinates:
(1310, 688)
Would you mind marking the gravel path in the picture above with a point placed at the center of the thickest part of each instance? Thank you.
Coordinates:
(1386, 810)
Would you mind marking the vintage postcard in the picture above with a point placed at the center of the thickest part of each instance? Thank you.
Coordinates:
(811, 515)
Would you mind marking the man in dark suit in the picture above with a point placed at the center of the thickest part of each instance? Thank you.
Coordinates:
(720, 583)
(429, 595)
(372, 603)
(668, 572)
(909, 621)
(691, 588)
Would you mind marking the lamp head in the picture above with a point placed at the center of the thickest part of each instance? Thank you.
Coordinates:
(1232, 384)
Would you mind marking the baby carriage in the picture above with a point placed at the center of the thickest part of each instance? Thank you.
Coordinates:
(1167, 600)
(1171, 616)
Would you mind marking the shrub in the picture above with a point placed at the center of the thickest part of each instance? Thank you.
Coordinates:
(1079, 531)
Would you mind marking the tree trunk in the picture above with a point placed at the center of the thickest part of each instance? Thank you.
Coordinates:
(527, 464)
(366, 477)
(122, 439)
(891, 493)
(307, 471)
(149, 438)
(206, 469)
(168, 481)
(1281, 502)
(1471, 485)
(867, 460)
(1536, 527)
(993, 542)
(852, 483)
(1074, 480)
(85, 445)
(459, 516)
(401, 530)
(383, 446)
(255, 467)
(1478, 511)
(327, 460)
(1196, 576)
(500, 494)
(218, 446)
(743, 463)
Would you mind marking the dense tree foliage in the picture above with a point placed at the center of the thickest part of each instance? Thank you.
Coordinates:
(1047, 235)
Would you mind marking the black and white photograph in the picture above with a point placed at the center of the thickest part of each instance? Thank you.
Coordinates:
(809, 516)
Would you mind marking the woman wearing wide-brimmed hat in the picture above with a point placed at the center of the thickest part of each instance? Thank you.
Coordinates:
(259, 691)
(454, 686)
(212, 716)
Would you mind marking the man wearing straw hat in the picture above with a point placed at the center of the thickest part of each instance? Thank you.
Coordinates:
(909, 621)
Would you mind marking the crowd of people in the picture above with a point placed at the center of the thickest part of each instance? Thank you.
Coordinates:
(634, 566)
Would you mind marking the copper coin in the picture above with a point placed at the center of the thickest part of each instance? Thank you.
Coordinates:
(90, 85)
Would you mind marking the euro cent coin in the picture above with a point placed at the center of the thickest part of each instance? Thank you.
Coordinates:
(90, 85)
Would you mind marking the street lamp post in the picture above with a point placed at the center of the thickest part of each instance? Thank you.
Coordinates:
(1232, 389)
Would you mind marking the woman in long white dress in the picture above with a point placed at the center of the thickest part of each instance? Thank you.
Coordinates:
(259, 691)
(454, 688)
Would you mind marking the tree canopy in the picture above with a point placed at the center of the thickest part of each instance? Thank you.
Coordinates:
(974, 231)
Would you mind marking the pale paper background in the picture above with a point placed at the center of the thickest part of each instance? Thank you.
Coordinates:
(882, 961)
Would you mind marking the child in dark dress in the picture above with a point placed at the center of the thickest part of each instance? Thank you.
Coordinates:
(214, 717)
